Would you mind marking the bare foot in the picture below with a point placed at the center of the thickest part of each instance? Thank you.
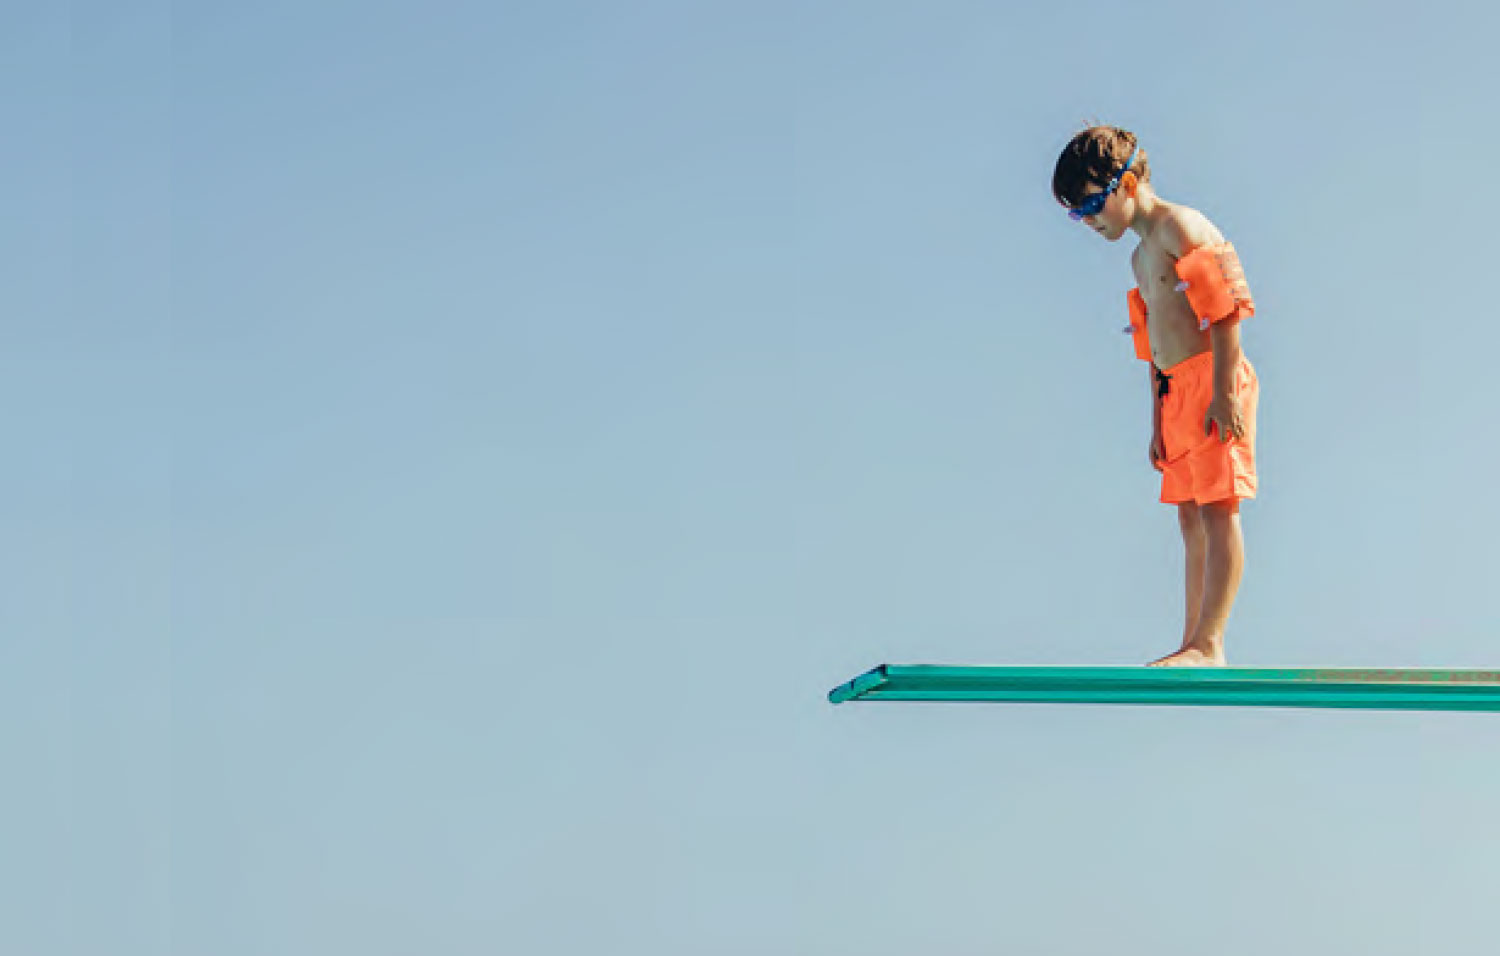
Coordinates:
(1191, 657)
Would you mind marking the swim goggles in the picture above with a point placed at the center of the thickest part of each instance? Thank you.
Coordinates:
(1094, 204)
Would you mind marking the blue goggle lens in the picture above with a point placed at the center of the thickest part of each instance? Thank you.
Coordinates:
(1091, 206)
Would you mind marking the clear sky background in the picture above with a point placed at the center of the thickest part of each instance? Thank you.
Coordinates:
(453, 447)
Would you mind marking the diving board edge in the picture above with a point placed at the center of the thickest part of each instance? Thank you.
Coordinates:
(1364, 688)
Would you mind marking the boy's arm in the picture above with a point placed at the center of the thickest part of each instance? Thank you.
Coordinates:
(1182, 232)
(1224, 336)
(1224, 408)
(1157, 453)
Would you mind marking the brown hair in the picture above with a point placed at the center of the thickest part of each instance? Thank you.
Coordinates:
(1096, 155)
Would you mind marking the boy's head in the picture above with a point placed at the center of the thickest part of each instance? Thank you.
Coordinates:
(1098, 176)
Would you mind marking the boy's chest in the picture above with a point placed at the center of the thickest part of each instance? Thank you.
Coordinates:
(1154, 273)
(1174, 329)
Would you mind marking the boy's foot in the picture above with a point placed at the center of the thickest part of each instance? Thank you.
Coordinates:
(1191, 657)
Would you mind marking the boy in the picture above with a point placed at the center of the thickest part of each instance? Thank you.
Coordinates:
(1184, 318)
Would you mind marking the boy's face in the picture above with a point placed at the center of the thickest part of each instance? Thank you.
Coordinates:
(1114, 218)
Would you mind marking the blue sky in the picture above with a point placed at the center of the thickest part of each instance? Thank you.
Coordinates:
(456, 446)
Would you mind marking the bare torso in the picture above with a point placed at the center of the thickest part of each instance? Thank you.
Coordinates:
(1170, 322)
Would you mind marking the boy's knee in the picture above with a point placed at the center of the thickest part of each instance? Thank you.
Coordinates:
(1190, 517)
(1219, 510)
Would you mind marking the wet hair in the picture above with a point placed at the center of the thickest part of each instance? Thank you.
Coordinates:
(1096, 155)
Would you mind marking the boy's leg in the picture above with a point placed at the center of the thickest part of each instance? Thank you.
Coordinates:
(1195, 552)
(1222, 564)
(1221, 579)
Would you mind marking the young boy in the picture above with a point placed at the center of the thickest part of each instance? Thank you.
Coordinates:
(1185, 320)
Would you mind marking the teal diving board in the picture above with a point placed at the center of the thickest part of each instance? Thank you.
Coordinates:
(1377, 689)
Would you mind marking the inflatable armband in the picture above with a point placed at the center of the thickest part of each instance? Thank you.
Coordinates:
(1215, 284)
(1137, 326)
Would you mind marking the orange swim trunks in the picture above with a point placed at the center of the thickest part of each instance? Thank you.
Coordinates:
(1199, 467)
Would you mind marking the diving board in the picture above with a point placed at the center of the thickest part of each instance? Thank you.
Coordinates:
(1378, 689)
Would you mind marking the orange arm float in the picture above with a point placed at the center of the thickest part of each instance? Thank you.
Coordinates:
(1137, 326)
(1215, 284)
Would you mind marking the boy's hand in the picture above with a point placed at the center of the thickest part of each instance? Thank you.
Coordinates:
(1224, 411)
(1158, 450)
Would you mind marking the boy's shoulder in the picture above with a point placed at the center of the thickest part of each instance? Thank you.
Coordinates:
(1180, 229)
